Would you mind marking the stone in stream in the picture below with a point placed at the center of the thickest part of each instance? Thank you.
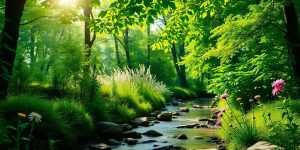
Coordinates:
(263, 145)
(112, 142)
(184, 109)
(156, 121)
(108, 130)
(211, 122)
(197, 106)
(152, 133)
(132, 134)
(127, 127)
(100, 146)
(182, 137)
(141, 121)
(214, 116)
(148, 141)
(170, 147)
(221, 147)
(131, 141)
(202, 126)
(202, 119)
(175, 113)
(188, 126)
(165, 116)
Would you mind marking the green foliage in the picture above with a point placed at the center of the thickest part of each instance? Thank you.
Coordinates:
(120, 112)
(52, 125)
(183, 93)
(137, 89)
(77, 117)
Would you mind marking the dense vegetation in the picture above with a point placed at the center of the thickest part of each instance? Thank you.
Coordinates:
(67, 64)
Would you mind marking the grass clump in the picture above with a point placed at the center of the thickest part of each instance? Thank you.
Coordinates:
(134, 89)
(77, 117)
(52, 125)
(183, 93)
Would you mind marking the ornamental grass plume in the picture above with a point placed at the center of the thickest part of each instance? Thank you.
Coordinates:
(278, 86)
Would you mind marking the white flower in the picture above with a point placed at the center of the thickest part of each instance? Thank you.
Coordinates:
(36, 117)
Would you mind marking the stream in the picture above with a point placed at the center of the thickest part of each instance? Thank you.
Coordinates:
(168, 129)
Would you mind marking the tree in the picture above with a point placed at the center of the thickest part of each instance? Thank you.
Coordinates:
(9, 39)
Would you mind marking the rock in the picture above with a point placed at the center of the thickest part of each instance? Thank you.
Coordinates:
(182, 137)
(188, 126)
(99, 147)
(184, 109)
(211, 122)
(132, 134)
(126, 127)
(198, 137)
(141, 121)
(108, 130)
(214, 116)
(263, 145)
(112, 142)
(202, 119)
(175, 114)
(131, 141)
(170, 147)
(156, 121)
(221, 147)
(174, 117)
(148, 141)
(164, 109)
(165, 117)
(152, 133)
(155, 145)
(202, 126)
(157, 112)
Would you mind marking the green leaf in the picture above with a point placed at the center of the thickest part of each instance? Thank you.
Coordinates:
(283, 114)
(25, 139)
(102, 13)
(11, 127)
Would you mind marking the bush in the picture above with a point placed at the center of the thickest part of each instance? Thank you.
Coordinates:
(52, 125)
(77, 117)
(97, 109)
(183, 93)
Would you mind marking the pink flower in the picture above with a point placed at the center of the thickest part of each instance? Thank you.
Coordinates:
(220, 114)
(223, 110)
(278, 86)
(224, 96)
(219, 123)
(257, 97)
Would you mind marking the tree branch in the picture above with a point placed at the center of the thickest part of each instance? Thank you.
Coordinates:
(37, 18)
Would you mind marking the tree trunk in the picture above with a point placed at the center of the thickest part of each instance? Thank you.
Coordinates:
(117, 51)
(182, 67)
(148, 47)
(87, 37)
(293, 38)
(127, 48)
(181, 76)
(9, 40)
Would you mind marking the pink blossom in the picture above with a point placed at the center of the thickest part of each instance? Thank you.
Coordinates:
(219, 123)
(220, 114)
(278, 86)
(223, 110)
(224, 96)
(257, 97)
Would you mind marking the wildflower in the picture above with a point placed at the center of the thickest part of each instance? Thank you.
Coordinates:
(220, 114)
(257, 97)
(223, 110)
(278, 86)
(35, 117)
(219, 123)
(224, 96)
(251, 100)
(239, 99)
(21, 115)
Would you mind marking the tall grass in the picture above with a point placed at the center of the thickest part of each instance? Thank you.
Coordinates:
(137, 89)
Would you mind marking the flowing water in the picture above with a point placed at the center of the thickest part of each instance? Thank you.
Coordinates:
(168, 129)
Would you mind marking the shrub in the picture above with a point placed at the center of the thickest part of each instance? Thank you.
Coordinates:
(119, 112)
(97, 109)
(183, 93)
(77, 117)
(52, 125)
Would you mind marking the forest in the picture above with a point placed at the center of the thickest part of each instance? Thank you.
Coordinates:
(149, 74)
